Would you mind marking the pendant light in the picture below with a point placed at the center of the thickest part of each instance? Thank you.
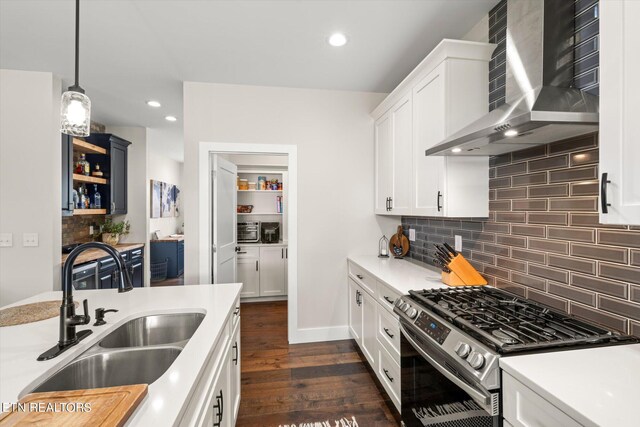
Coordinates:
(75, 108)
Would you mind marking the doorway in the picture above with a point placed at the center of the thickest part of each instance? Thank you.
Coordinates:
(262, 199)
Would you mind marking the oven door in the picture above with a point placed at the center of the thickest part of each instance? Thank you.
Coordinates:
(85, 277)
(434, 393)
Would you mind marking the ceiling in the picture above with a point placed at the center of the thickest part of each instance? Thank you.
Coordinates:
(135, 50)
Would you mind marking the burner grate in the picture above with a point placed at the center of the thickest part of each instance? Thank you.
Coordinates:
(507, 322)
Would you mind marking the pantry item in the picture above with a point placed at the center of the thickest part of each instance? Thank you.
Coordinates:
(245, 208)
(243, 184)
(251, 185)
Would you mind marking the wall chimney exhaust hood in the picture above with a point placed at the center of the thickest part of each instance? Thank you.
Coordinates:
(541, 104)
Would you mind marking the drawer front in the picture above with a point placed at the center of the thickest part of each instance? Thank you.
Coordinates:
(387, 296)
(249, 252)
(363, 278)
(389, 333)
(236, 314)
(136, 253)
(524, 408)
(389, 375)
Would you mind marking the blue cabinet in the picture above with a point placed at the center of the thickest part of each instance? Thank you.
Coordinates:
(173, 251)
(135, 264)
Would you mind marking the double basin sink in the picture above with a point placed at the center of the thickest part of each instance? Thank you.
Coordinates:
(137, 352)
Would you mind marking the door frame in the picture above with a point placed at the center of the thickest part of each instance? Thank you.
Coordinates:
(205, 214)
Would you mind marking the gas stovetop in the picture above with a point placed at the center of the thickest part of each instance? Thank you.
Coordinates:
(508, 323)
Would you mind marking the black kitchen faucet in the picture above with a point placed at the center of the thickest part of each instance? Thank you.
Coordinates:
(68, 317)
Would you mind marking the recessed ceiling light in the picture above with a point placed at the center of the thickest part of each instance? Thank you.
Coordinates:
(154, 104)
(456, 150)
(337, 39)
(511, 132)
(170, 118)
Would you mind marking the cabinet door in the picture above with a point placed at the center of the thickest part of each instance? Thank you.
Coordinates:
(286, 271)
(355, 311)
(272, 271)
(369, 328)
(118, 179)
(249, 276)
(67, 176)
(429, 129)
(219, 411)
(105, 279)
(136, 270)
(619, 107)
(383, 146)
(401, 115)
(234, 376)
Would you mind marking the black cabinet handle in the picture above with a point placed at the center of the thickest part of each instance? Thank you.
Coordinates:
(390, 203)
(438, 201)
(282, 253)
(389, 300)
(256, 265)
(387, 374)
(358, 301)
(235, 359)
(360, 276)
(386, 206)
(603, 193)
(241, 252)
(219, 406)
(237, 311)
(388, 333)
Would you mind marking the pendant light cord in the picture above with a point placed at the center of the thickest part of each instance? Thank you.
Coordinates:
(77, 43)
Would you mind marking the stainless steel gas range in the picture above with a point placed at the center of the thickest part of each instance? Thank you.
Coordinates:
(453, 338)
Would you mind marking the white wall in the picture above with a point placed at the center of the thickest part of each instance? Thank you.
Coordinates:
(257, 160)
(30, 182)
(479, 32)
(334, 136)
(161, 167)
(137, 188)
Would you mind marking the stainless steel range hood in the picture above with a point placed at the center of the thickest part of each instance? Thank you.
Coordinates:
(541, 106)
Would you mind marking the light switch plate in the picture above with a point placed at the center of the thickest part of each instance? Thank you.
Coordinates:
(412, 234)
(29, 239)
(6, 240)
(458, 243)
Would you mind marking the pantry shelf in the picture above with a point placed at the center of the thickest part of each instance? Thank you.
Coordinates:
(89, 179)
(86, 147)
(260, 213)
(261, 191)
(89, 212)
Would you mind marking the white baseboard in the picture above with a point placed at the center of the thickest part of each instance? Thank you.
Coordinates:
(308, 335)
(263, 299)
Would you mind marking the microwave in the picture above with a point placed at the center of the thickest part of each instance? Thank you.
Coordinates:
(248, 232)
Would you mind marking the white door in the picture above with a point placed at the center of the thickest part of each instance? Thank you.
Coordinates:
(619, 108)
(272, 281)
(401, 115)
(383, 163)
(249, 276)
(429, 117)
(369, 328)
(355, 311)
(224, 220)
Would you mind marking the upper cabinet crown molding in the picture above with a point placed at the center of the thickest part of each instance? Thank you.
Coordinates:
(447, 48)
(619, 108)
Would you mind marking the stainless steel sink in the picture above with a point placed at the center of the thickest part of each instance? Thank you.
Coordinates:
(154, 330)
(138, 352)
(113, 368)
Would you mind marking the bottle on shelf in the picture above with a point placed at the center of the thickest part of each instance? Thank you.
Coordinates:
(83, 197)
(82, 167)
(97, 198)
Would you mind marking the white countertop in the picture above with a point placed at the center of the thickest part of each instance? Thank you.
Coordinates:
(399, 274)
(169, 395)
(257, 244)
(596, 386)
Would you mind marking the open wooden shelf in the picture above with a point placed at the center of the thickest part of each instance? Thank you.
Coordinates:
(89, 179)
(86, 147)
(89, 212)
(260, 213)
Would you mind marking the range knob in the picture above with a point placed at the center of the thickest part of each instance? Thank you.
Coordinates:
(463, 349)
(398, 302)
(476, 360)
(412, 313)
(405, 307)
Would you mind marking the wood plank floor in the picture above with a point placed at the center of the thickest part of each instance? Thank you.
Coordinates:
(292, 384)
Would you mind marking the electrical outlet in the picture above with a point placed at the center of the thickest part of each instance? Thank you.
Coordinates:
(6, 240)
(458, 243)
(412, 234)
(29, 239)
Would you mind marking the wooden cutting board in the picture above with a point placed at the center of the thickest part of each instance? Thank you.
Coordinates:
(399, 244)
(110, 406)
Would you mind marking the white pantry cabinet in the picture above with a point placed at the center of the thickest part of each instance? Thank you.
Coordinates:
(447, 91)
(262, 270)
(619, 109)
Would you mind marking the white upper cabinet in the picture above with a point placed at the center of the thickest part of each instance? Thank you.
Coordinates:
(619, 109)
(447, 91)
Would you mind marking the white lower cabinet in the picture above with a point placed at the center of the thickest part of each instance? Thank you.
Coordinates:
(216, 398)
(263, 271)
(522, 407)
(375, 327)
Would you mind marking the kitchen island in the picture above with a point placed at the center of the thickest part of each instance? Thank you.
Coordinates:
(183, 394)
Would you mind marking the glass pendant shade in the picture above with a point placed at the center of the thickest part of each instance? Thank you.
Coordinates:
(75, 112)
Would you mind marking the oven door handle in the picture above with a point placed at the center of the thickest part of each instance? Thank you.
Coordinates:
(480, 398)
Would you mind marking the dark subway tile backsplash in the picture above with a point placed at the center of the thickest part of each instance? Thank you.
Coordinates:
(543, 239)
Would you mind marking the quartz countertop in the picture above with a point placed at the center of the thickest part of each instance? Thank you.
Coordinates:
(168, 396)
(95, 254)
(595, 386)
(400, 274)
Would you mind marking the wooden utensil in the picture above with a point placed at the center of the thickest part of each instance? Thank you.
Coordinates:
(110, 406)
(399, 244)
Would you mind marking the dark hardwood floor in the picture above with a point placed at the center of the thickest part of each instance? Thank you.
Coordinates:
(292, 384)
(176, 281)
